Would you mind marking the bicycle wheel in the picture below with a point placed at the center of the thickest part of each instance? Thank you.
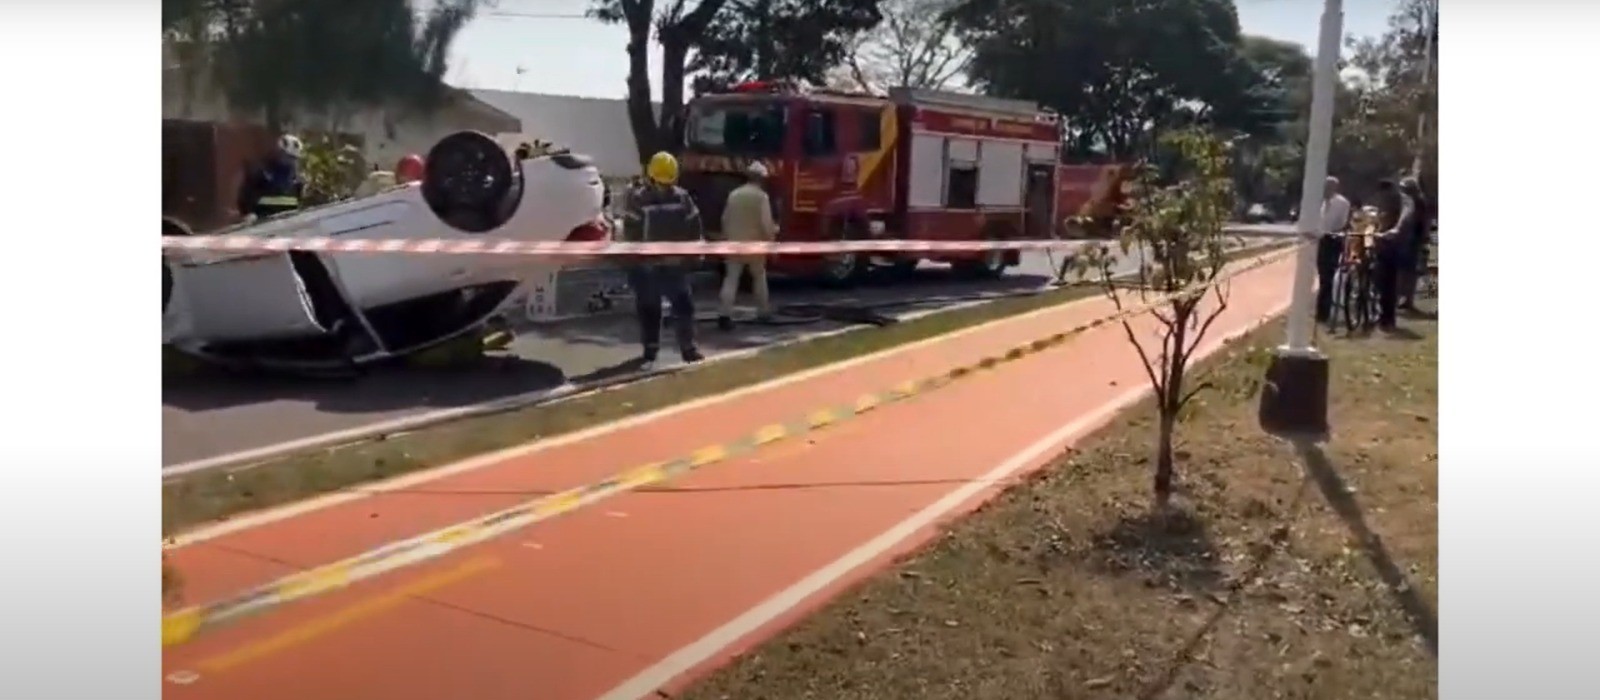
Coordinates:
(1365, 301)
(1349, 301)
(1336, 302)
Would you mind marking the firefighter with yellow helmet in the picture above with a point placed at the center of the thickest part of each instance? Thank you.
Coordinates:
(660, 211)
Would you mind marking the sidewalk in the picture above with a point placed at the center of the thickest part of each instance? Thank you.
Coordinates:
(573, 607)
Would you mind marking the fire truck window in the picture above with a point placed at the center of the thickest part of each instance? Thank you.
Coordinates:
(961, 189)
(821, 138)
(871, 131)
(744, 129)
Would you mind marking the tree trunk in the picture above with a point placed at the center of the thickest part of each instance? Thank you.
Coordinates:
(645, 134)
(1169, 401)
(1163, 481)
(764, 45)
(674, 63)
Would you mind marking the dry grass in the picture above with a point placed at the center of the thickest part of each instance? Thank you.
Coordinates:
(1289, 572)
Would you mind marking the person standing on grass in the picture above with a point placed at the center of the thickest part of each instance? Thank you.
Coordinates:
(1395, 247)
(1416, 241)
(747, 218)
(660, 211)
(1330, 245)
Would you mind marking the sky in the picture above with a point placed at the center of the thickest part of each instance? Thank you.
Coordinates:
(571, 55)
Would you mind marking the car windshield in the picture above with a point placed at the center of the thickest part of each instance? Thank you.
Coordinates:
(742, 128)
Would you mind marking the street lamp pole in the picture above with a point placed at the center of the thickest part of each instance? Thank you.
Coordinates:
(1294, 398)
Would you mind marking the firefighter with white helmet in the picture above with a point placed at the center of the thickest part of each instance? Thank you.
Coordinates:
(660, 211)
(747, 217)
(276, 186)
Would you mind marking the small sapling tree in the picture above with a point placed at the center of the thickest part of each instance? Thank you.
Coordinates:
(1172, 224)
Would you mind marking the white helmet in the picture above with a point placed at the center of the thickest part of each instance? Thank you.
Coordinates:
(756, 169)
(290, 145)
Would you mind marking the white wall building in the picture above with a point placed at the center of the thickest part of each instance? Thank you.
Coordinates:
(595, 127)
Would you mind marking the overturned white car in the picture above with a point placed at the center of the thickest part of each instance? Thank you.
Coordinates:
(310, 310)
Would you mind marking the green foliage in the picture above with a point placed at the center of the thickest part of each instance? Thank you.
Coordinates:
(795, 40)
(278, 58)
(725, 41)
(1375, 135)
(1119, 70)
(1172, 222)
(1177, 207)
(332, 170)
(678, 26)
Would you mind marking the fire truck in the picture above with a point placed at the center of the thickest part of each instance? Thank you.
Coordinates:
(914, 165)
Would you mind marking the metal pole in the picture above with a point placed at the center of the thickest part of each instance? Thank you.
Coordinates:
(1430, 28)
(1294, 395)
(1325, 77)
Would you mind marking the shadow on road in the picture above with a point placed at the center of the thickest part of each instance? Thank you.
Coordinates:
(1342, 499)
(581, 351)
(378, 390)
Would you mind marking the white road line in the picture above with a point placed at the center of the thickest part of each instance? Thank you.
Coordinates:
(254, 520)
(704, 649)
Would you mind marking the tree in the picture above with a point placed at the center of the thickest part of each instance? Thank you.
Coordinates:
(1116, 70)
(793, 40)
(676, 24)
(278, 58)
(1173, 221)
(1267, 164)
(724, 40)
(916, 46)
(1391, 124)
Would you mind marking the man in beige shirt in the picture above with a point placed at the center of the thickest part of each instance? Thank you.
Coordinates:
(747, 217)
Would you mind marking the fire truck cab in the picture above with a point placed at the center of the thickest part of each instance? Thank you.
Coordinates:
(915, 165)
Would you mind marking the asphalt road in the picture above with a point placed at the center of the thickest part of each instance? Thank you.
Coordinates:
(216, 417)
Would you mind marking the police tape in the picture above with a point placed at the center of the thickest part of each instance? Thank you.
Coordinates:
(183, 625)
(586, 249)
(589, 249)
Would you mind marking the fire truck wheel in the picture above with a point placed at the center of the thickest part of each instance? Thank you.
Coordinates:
(991, 265)
(846, 269)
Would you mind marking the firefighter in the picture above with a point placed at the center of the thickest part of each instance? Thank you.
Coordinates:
(276, 186)
(657, 210)
(747, 217)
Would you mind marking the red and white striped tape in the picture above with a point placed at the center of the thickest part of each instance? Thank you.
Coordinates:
(560, 249)
(590, 249)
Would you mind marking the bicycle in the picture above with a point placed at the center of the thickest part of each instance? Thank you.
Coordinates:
(1355, 298)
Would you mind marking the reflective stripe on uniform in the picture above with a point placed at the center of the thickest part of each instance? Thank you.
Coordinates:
(278, 202)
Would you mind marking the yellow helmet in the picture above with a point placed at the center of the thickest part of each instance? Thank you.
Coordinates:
(663, 168)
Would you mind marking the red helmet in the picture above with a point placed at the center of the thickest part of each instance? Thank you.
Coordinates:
(409, 169)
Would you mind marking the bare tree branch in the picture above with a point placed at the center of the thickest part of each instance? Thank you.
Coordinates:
(1158, 384)
(1205, 326)
(914, 46)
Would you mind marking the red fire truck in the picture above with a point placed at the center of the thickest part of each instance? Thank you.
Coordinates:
(916, 165)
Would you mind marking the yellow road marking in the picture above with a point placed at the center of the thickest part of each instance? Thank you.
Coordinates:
(313, 629)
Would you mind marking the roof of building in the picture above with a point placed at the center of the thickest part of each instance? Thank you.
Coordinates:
(595, 127)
